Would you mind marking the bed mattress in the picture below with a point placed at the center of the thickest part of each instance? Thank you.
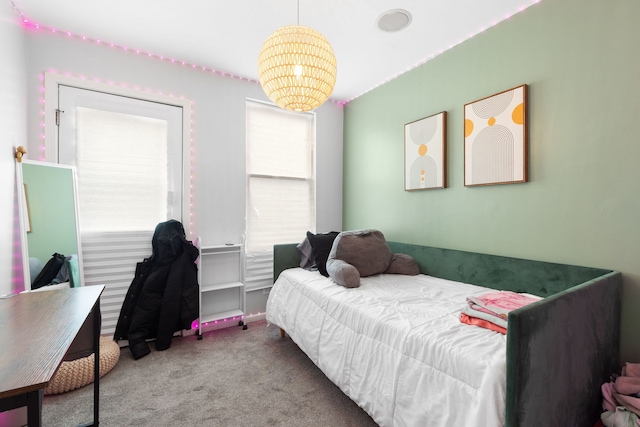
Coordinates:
(396, 346)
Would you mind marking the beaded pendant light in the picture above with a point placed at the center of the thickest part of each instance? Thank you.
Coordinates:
(297, 67)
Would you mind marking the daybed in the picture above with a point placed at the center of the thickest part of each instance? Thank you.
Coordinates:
(556, 354)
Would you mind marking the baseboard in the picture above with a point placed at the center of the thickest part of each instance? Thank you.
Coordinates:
(255, 317)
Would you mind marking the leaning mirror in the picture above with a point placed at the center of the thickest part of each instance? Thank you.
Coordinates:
(51, 250)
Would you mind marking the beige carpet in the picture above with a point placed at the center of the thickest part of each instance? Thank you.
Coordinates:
(232, 377)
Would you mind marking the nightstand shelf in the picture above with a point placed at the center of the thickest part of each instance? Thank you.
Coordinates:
(220, 286)
(226, 316)
(222, 296)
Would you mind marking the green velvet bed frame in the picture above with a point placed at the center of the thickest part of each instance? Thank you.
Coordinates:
(559, 350)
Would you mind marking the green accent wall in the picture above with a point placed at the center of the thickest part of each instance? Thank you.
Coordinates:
(52, 211)
(581, 206)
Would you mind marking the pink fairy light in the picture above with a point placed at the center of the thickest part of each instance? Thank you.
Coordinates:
(196, 323)
(520, 9)
(137, 88)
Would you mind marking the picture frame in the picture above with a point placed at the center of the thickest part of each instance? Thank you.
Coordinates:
(425, 153)
(495, 139)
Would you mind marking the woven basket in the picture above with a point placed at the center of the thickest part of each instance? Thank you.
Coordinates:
(78, 373)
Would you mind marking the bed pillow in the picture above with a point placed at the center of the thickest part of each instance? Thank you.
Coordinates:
(306, 254)
(321, 246)
(366, 250)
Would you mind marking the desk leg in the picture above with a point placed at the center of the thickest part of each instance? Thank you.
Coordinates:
(34, 408)
(96, 366)
(96, 362)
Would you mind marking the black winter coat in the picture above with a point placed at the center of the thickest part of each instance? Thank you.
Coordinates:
(163, 296)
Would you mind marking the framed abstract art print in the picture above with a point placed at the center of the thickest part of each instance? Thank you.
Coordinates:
(425, 153)
(495, 139)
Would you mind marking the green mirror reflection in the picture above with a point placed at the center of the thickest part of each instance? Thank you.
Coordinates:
(49, 218)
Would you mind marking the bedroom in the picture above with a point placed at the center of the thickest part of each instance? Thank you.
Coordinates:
(580, 206)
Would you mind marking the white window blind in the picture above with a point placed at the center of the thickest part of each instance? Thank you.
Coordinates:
(122, 194)
(280, 185)
(122, 173)
(110, 259)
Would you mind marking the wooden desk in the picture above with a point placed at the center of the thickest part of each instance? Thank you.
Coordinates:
(36, 330)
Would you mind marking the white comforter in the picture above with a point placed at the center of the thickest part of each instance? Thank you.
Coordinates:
(396, 346)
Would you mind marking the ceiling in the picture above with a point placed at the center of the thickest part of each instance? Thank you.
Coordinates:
(227, 35)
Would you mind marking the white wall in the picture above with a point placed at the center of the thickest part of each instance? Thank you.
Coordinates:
(12, 134)
(218, 128)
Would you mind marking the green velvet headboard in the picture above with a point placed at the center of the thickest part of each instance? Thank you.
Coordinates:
(492, 271)
(559, 350)
(497, 272)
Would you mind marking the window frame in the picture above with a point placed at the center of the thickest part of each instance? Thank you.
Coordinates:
(53, 80)
(311, 179)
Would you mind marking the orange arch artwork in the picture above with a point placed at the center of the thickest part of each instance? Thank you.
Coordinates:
(425, 153)
(495, 139)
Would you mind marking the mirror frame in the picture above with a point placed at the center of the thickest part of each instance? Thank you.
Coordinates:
(22, 209)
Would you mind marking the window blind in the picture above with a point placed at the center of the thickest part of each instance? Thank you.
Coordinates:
(280, 185)
(122, 170)
(110, 259)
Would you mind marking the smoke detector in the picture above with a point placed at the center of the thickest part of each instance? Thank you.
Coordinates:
(393, 20)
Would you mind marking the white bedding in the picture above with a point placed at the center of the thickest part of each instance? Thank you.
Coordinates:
(396, 346)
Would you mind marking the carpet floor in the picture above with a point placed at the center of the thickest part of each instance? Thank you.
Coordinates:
(232, 377)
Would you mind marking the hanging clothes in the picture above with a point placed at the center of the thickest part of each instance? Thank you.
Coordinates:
(163, 296)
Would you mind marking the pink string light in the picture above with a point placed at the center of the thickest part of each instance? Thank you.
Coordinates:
(196, 323)
(30, 25)
(136, 88)
(27, 24)
(521, 9)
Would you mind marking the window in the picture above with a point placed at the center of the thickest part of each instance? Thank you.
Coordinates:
(121, 184)
(131, 165)
(280, 184)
